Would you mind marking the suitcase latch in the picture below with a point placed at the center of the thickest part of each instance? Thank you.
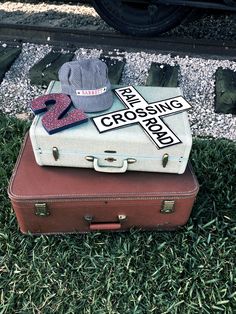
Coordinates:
(165, 160)
(41, 209)
(168, 207)
(55, 153)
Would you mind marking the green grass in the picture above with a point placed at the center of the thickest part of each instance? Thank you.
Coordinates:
(189, 271)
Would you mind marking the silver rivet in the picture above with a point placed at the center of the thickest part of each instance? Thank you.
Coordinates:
(131, 160)
(89, 158)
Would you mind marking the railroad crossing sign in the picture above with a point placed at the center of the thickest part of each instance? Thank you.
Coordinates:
(148, 115)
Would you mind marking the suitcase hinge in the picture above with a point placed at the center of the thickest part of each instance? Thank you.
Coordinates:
(168, 207)
(41, 209)
(165, 160)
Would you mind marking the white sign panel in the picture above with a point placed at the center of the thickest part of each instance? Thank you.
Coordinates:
(148, 115)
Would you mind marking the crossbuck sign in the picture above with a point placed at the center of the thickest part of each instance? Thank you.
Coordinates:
(148, 115)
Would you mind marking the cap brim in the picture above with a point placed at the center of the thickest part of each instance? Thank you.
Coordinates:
(91, 104)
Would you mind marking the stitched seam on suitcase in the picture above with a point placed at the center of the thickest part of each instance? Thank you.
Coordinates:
(35, 200)
(114, 195)
(105, 196)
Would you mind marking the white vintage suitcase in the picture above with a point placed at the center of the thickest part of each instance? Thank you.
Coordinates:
(118, 150)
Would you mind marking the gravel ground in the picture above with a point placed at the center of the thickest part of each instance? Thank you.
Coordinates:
(196, 80)
(46, 14)
(216, 26)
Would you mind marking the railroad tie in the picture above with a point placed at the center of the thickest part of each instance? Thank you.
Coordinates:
(225, 101)
(46, 70)
(7, 56)
(163, 75)
(115, 67)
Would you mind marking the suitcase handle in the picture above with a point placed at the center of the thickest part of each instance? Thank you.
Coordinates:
(105, 226)
(110, 169)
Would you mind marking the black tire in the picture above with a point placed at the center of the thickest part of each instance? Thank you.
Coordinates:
(144, 19)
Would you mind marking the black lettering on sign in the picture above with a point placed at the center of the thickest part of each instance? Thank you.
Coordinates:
(148, 115)
(165, 107)
(160, 134)
(141, 113)
(151, 110)
(176, 104)
(130, 115)
(155, 128)
(126, 90)
(129, 97)
(118, 117)
(157, 107)
(150, 121)
(135, 101)
(166, 141)
(130, 100)
(106, 124)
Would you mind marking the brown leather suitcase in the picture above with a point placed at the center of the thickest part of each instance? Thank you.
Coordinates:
(53, 200)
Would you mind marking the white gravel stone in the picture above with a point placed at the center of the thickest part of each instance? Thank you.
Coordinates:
(197, 79)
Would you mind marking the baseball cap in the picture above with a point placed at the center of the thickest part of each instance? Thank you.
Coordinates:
(86, 82)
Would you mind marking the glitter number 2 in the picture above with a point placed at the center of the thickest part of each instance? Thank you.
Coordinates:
(57, 118)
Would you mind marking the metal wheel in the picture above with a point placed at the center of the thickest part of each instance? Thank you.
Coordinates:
(140, 17)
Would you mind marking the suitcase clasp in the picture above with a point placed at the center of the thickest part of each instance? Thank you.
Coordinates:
(41, 209)
(55, 153)
(165, 160)
(168, 207)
